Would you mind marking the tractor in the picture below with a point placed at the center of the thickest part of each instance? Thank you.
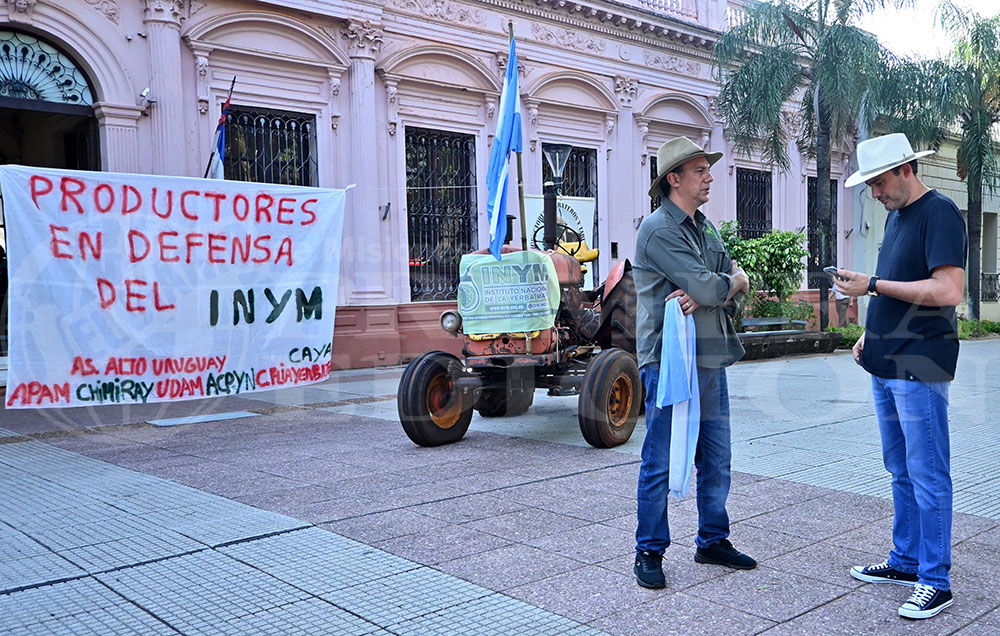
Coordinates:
(588, 352)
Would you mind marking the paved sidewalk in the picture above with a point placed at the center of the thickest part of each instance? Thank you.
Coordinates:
(308, 511)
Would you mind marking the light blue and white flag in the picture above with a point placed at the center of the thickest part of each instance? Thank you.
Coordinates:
(507, 139)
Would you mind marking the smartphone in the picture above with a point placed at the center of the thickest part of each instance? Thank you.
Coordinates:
(832, 271)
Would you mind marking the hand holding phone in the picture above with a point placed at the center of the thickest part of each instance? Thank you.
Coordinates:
(832, 271)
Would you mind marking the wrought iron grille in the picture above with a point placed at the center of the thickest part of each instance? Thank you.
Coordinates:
(270, 146)
(654, 203)
(990, 289)
(753, 202)
(33, 69)
(813, 231)
(441, 209)
(580, 180)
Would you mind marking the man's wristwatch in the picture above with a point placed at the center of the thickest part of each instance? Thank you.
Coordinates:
(871, 286)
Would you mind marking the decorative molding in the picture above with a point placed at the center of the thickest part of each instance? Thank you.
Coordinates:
(568, 39)
(609, 125)
(443, 10)
(491, 108)
(502, 64)
(391, 91)
(334, 86)
(624, 52)
(392, 129)
(626, 88)
(196, 7)
(21, 10)
(171, 11)
(364, 39)
(715, 109)
(673, 63)
(643, 124)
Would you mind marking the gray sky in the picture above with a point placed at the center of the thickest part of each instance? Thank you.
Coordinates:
(915, 32)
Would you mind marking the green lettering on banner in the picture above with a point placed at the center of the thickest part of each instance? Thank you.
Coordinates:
(517, 294)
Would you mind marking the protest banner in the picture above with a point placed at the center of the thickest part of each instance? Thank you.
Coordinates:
(516, 295)
(142, 288)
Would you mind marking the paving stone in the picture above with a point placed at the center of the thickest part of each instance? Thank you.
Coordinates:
(309, 617)
(469, 508)
(526, 523)
(679, 614)
(385, 525)
(508, 566)
(590, 544)
(443, 544)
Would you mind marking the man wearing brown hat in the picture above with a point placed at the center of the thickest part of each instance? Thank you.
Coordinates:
(679, 254)
(910, 347)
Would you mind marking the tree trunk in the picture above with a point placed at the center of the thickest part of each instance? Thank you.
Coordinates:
(975, 224)
(823, 216)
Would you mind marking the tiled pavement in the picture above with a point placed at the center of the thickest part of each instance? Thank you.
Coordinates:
(309, 512)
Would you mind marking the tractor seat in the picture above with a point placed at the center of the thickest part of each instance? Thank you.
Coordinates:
(579, 250)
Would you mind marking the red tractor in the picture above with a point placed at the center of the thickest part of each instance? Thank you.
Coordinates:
(589, 352)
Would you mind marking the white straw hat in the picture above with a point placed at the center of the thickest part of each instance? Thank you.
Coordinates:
(882, 154)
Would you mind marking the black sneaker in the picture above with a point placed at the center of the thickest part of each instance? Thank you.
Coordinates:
(649, 570)
(882, 573)
(723, 553)
(925, 602)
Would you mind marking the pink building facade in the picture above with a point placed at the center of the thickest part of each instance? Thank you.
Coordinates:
(398, 97)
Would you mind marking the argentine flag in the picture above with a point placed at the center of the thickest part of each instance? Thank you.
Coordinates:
(507, 139)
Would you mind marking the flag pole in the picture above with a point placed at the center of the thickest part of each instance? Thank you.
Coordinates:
(214, 149)
(520, 168)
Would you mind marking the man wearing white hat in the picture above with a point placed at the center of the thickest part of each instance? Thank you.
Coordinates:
(910, 346)
(679, 254)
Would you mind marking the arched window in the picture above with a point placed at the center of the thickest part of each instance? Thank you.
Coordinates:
(35, 70)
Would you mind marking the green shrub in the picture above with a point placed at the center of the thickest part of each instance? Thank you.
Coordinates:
(773, 263)
(977, 328)
(849, 335)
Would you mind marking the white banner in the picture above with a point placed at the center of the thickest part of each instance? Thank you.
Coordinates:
(132, 289)
(577, 213)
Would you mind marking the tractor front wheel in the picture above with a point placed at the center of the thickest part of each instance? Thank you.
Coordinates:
(610, 398)
(431, 408)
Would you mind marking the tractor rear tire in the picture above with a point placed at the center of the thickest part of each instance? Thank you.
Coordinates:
(501, 402)
(432, 411)
(610, 398)
(621, 309)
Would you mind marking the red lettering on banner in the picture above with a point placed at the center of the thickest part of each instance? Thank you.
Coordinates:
(71, 194)
(104, 209)
(170, 204)
(56, 241)
(83, 366)
(103, 285)
(262, 248)
(184, 196)
(39, 192)
(157, 303)
(95, 248)
(216, 243)
(218, 198)
(192, 241)
(164, 247)
(284, 249)
(134, 257)
(126, 210)
(246, 207)
(131, 295)
(37, 393)
(266, 207)
(311, 213)
(283, 208)
(242, 248)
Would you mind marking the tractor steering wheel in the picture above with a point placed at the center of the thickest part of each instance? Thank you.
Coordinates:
(564, 233)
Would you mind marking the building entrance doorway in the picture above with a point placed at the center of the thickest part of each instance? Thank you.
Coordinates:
(46, 120)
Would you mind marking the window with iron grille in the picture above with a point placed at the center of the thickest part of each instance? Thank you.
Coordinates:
(990, 288)
(579, 179)
(815, 255)
(270, 146)
(440, 209)
(753, 202)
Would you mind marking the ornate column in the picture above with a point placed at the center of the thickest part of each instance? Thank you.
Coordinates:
(119, 136)
(166, 114)
(364, 224)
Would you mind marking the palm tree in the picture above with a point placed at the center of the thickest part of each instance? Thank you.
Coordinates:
(806, 55)
(961, 92)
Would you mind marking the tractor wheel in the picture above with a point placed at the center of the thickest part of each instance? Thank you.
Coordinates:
(431, 410)
(501, 402)
(621, 308)
(610, 398)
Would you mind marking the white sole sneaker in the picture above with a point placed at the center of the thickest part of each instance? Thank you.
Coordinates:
(858, 572)
(926, 602)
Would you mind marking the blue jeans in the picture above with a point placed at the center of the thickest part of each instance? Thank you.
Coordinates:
(913, 422)
(712, 458)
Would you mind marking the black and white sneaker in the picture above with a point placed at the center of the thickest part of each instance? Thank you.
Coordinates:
(925, 602)
(883, 573)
